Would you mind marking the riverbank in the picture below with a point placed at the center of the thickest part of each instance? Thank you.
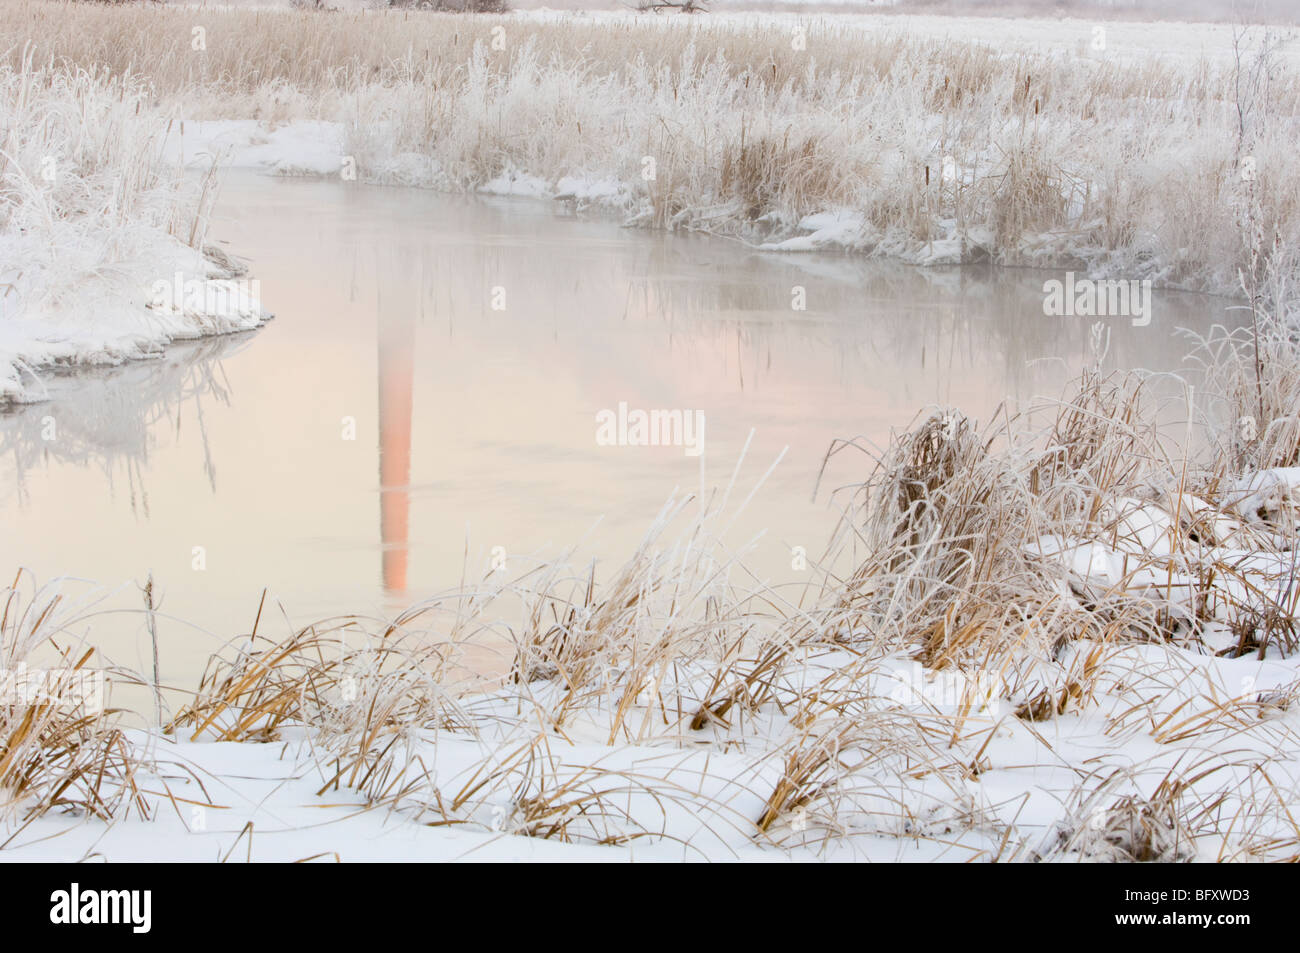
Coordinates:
(1041, 143)
(1126, 150)
(103, 253)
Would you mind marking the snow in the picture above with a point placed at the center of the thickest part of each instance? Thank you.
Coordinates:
(66, 304)
(842, 228)
(516, 183)
(1217, 576)
(591, 189)
(1268, 491)
(303, 147)
(696, 798)
(275, 791)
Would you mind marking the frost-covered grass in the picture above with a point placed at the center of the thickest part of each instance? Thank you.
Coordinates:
(1066, 635)
(1029, 149)
(92, 220)
(60, 748)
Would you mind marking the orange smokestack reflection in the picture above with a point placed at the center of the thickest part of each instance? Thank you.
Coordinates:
(396, 373)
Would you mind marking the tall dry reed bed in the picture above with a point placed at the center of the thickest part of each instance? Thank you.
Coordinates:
(931, 150)
(82, 169)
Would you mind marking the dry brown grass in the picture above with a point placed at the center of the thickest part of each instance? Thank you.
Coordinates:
(61, 749)
(668, 654)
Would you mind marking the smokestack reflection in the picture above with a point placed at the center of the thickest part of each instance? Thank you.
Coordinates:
(396, 373)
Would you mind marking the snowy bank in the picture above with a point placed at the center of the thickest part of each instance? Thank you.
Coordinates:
(933, 140)
(102, 257)
(59, 310)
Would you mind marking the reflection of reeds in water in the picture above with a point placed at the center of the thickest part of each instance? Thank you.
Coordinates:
(876, 314)
(703, 293)
(110, 417)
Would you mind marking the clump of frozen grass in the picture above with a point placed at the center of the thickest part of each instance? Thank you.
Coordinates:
(334, 675)
(1254, 373)
(971, 541)
(61, 749)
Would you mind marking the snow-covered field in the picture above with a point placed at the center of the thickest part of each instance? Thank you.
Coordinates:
(1062, 637)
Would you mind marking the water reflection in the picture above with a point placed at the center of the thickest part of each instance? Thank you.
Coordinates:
(475, 427)
(396, 379)
(112, 418)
